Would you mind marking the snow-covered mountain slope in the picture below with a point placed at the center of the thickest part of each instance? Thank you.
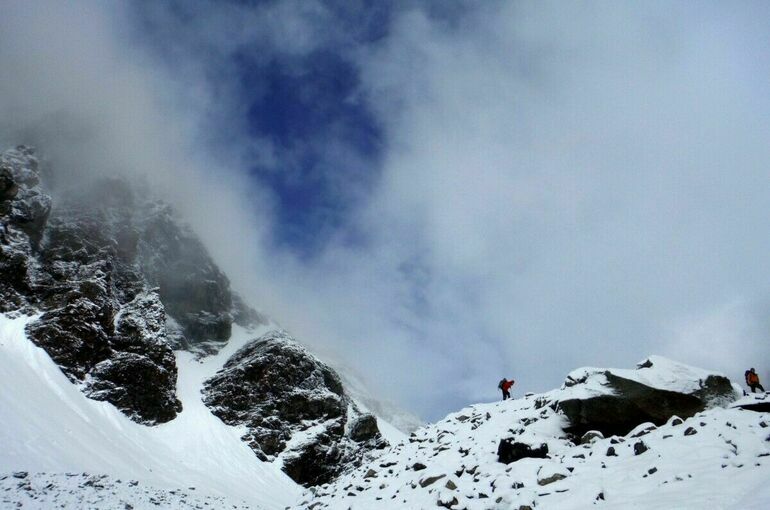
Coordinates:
(49, 426)
(121, 293)
(717, 458)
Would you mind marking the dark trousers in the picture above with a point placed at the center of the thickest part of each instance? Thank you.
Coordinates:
(755, 386)
(507, 394)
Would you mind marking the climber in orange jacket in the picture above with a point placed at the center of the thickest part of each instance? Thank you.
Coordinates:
(505, 386)
(752, 380)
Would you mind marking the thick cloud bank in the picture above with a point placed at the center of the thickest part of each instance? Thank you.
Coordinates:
(556, 185)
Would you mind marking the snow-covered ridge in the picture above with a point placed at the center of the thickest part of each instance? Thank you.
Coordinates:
(716, 458)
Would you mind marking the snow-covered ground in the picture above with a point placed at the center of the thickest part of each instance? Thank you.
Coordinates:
(48, 426)
(717, 459)
(60, 449)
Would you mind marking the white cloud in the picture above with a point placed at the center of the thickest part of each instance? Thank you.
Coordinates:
(562, 184)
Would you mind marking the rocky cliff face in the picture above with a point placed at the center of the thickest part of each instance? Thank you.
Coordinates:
(294, 408)
(118, 283)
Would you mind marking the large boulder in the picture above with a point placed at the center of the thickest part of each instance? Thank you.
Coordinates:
(614, 401)
(757, 402)
(293, 407)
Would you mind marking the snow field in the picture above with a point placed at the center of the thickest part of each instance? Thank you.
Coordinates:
(49, 426)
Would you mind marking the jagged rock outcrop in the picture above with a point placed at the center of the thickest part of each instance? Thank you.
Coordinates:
(118, 282)
(615, 401)
(193, 289)
(99, 320)
(294, 408)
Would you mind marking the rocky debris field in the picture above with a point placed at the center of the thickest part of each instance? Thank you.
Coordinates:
(524, 454)
(44, 491)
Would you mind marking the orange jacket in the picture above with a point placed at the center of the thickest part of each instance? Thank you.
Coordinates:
(507, 385)
(752, 378)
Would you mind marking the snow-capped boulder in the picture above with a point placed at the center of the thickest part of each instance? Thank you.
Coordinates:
(615, 401)
(759, 402)
(294, 408)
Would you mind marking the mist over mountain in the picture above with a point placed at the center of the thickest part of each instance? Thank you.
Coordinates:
(434, 196)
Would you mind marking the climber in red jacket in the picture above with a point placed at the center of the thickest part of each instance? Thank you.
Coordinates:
(505, 386)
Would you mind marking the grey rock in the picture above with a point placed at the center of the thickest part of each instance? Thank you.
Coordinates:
(277, 389)
(591, 436)
(630, 403)
(430, 480)
(551, 479)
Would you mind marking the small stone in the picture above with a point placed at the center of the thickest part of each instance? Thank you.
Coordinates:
(652, 470)
(591, 436)
(371, 474)
(425, 482)
(418, 466)
(691, 431)
(551, 479)
(640, 448)
(611, 452)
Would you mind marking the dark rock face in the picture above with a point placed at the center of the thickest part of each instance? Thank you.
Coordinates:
(510, 451)
(100, 321)
(280, 392)
(193, 289)
(628, 403)
(119, 281)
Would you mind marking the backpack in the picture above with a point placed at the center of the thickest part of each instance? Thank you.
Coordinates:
(746, 376)
(500, 384)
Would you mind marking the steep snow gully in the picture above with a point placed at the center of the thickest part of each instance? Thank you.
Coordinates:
(61, 449)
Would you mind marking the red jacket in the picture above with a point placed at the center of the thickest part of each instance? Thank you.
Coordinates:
(507, 385)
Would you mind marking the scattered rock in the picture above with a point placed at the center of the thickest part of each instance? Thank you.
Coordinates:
(690, 431)
(640, 448)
